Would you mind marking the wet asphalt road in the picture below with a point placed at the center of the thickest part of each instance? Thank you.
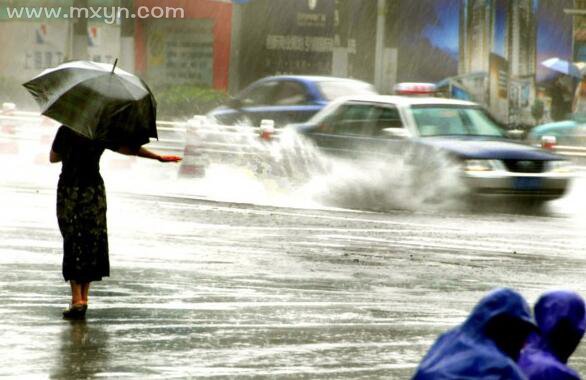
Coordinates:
(202, 288)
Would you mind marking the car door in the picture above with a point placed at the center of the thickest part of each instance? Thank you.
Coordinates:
(361, 129)
(342, 132)
(388, 134)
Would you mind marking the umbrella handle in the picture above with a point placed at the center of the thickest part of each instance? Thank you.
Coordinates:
(114, 65)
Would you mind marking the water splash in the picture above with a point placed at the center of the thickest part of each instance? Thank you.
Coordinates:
(291, 171)
(399, 183)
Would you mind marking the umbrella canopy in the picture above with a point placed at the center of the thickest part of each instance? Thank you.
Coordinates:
(564, 67)
(98, 101)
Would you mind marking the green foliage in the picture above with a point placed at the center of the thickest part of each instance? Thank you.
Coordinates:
(185, 101)
(174, 102)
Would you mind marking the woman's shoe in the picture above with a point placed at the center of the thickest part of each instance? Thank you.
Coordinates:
(76, 311)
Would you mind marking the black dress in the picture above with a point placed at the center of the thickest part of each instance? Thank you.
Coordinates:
(81, 207)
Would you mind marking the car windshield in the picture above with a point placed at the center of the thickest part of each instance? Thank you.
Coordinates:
(334, 89)
(442, 120)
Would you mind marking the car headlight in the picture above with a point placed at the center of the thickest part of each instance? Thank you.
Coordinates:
(559, 166)
(482, 165)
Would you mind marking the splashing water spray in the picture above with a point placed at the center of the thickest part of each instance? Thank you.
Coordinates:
(280, 167)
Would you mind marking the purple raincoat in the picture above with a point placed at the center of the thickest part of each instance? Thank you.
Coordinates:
(560, 316)
(467, 351)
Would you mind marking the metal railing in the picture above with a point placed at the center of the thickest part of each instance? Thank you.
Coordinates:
(22, 126)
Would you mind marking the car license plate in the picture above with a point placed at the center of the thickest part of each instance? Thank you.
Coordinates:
(527, 183)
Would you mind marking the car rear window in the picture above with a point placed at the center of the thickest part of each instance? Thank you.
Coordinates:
(334, 89)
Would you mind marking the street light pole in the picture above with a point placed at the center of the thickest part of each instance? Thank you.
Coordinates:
(379, 64)
(235, 45)
(127, 48)
(79, 45)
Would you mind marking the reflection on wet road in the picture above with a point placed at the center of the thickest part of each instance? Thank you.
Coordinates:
(208, 289)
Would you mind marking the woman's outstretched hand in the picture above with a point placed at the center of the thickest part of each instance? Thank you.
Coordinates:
(145, 153)
(170, 158)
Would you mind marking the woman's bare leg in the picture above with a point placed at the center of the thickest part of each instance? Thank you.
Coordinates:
(76, 292)
(77, 308)
(85, 292)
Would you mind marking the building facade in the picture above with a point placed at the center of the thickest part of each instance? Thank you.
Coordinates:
(32, 44)
(348, 38)
(29, 45)
(499, 38)
(192, 50)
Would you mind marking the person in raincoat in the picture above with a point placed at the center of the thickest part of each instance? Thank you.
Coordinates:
(486, 345)
(560, 316)
(81, 211)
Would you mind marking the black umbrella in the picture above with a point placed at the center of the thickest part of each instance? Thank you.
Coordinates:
(98, 101)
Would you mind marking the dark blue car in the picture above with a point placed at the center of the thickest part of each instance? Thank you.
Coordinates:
(432, 131)
(286, 99)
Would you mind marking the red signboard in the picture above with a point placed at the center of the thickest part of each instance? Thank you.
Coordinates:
(218, 13)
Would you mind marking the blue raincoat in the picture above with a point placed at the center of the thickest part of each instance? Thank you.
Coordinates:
(466, 352)
(543, 358)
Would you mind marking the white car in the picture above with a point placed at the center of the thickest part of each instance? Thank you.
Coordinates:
(491, 163)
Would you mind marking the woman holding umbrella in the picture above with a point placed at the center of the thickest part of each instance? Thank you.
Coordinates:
(81, 211)
(101, 107)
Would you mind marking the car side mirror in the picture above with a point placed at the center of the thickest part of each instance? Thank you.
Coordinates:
(394, 133)
(234, 103)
